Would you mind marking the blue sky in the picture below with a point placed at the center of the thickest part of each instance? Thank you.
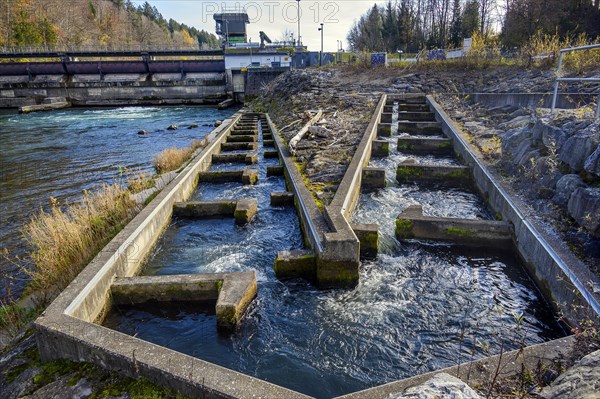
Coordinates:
(273, 17)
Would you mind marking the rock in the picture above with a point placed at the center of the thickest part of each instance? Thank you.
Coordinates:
(319, 131)
(578, 148)
(513, 140)
(519, 122)
(61, 388)
(582, 381)
(218, 123)
(172, 127)
(592, 163)
(565, 188)
(441, 386)
(143, 132)
(584, 207)
(192, 126)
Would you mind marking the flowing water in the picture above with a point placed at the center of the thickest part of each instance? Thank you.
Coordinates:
(418, 306)
(59, 154)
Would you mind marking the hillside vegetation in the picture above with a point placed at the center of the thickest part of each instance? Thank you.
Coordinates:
(111, 23)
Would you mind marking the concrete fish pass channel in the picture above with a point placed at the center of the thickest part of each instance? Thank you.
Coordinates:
(232, 283)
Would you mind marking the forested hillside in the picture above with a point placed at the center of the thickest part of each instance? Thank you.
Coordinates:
(411, 25)
(93, 22)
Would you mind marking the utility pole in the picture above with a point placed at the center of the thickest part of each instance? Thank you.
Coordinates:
(299, 36)
(321, 54)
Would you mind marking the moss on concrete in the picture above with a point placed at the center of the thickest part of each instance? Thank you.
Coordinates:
(408, 173)
(458, 232)
(336, 274)
(404, 228)
(446, 145)
(405, 145)
(298, 267)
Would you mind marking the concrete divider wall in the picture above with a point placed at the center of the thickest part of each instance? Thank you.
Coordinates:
(313, 224)
(557, 271)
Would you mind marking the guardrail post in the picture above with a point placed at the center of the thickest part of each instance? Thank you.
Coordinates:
(558, 72)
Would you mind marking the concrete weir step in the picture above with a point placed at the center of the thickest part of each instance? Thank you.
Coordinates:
(368, 235)
(248, 159)
(386, 117)
(275, 170)
(282, 199)
(416, 116)
(225, 176)
(239, 146)
(477, 233)
(271, 154)
(384, 130)
(244, 132)
(373, 179)
(242, 139)
(232, 293)
(453, 175)
(413, 107)
(243, 210)
(380, 148)
(296, 264)
(419, 127)
(427, 145)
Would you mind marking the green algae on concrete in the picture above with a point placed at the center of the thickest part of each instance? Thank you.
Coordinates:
(295, 264)
(245, 211)
(337, 274)
(458, 232)
(368, 235)
(404, 229)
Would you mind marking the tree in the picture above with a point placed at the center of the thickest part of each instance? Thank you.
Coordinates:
(25, 32)
(470, 18)
(456, 27)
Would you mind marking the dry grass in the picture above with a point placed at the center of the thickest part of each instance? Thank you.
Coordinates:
(66, 239)
(173, 158)
(138, 180)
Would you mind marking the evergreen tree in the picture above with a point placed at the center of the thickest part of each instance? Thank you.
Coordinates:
(470, 18)
(456, 27)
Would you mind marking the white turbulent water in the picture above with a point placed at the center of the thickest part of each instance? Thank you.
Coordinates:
(418, 306)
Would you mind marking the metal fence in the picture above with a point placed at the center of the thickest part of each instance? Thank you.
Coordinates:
(559, 77)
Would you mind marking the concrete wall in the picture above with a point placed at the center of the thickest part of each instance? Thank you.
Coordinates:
(562, 277)
(117, 90)
(531, 100)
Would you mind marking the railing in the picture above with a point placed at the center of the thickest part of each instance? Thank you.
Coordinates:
(86, 49)
(561, 79)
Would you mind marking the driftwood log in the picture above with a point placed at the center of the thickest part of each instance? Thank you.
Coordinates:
(296, 139)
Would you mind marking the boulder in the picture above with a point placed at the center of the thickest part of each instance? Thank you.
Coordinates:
(549, 135)
(172, 127)
(512, 140)
(592, 163)
(582, 381)
(584, 207)
(441, 386)
(143, 132)
(577, 149)
(218, 123)
(565, 188)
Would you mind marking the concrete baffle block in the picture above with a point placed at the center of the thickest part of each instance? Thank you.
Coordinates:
(452, 175)
(380, 149)
(416, 116)
(384, 130)
(424, 128)
(282, 199)
(295, 264)
(250, 177)
(386, 118)
(271, 154)
(468, 232)
(235, 296)
(368, 235)
(275, 171)
(427, 145)
(245, 211)
(242, 139)
(373, 179)
(251, 159)
(204, 209)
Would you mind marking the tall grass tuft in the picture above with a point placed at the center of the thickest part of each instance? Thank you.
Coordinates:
(173, 158)
(66, 239)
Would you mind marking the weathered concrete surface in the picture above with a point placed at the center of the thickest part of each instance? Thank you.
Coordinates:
(223, 176)
(296, 264)
(275, 171)
(479, 233)
(239, 147)
(419, 127)
(248, 159)
(373, 179)
(453, 175)
(242, 139)
(245, 211)
(238, 290)
(282, 199)
(582, 381)
(44, 107)
(380, 149)
(384, 130)
(415, 116)
(428, 145)
(179, 288)
(368, 235)
(442, 385)
(204, 209)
